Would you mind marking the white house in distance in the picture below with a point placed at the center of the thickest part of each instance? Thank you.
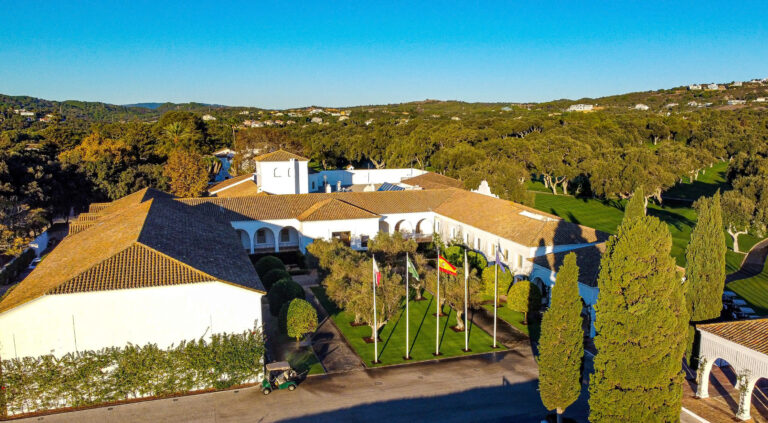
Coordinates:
(580, 108)
(152, 268)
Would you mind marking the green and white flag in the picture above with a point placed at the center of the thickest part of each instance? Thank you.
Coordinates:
(412, 269)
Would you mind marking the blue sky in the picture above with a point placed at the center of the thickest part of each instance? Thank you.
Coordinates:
(284, 54)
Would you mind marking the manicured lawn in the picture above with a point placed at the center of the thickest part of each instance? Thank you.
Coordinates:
(709, 182)
(422, 333)
(305, 360)
(515, 318)
(606, 216)
(754, 290)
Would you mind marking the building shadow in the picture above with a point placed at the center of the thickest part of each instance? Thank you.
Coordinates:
(505, 402)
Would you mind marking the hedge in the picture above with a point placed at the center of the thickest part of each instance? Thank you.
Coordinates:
(274, 275)
(16, 266)
(283, 292)
(267, 263)
(32, 384)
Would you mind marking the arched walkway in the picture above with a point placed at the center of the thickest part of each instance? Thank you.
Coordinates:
(733, 342)
(264, 240)
(288, 239)
(245, 240)
(424, 227)
(404, 227)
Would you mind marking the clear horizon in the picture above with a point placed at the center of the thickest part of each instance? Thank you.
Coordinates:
(351, 54)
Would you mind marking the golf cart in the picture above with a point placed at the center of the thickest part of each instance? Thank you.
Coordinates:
(278, 375)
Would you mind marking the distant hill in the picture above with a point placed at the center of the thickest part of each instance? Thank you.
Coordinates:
(151, 106)
(753, 94)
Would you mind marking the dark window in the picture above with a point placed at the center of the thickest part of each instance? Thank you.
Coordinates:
(261, 236)
(285, 235)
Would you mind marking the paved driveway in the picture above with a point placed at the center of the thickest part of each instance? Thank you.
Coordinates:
(493, 387)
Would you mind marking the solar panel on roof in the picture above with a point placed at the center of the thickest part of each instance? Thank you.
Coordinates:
(386, 186)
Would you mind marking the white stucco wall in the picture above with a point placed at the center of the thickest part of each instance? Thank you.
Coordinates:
(515, 253)
(362, 176)
(289, 177)
(59, 324)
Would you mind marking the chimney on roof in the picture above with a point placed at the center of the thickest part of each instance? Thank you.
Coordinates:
(338, 185)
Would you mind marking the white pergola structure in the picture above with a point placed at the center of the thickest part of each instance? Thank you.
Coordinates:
(744, 345)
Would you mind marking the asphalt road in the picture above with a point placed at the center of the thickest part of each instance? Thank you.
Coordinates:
(492, 387)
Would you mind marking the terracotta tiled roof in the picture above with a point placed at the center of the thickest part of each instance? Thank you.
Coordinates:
(333, 209)
(490, 214)
(151, 243)
(120, 272)
(431, 180)
(280, 156)
(515, 222)
(587, 258)
(752, 334)
(241, 190)
(273, 207)
(229, 183)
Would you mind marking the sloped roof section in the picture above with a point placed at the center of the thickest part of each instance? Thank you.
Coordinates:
(752, 334)
(515, 222)
(229, 183)
(587, 258)
(333, 209)
(275, 207)
(280, 156)
(431, 180)
(120, 272)
(156, 242)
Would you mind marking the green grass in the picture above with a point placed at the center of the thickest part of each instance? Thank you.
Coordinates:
(606, 216)
(733, 261)
(422, 333)
(515, 318)
(709, 182)
(754, 290)
(305, 360)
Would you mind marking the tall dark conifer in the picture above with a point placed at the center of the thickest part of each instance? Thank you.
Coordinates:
(561, 346)
(635, 206)
(705, 262)
(641, 328)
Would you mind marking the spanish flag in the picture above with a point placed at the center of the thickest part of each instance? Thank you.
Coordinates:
(445, 266)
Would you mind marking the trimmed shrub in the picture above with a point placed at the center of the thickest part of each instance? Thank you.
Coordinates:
(300, 319)
(283, 292)
(32, 384)
(524, 297)
(267, 263)
(273, 276)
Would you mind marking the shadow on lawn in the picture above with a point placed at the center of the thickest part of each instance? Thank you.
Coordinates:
(673, 219)
(418, 330)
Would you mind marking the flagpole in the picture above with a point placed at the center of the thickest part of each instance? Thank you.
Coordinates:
(495, 293)
(407, 292)
(466, 311)
(437, 315)
(375, 324)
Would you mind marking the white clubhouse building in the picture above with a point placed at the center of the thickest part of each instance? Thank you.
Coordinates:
(152, 268)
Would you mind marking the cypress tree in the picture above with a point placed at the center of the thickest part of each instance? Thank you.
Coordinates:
(705, 257)
(635, 206)
(641, 328)
(561, 346)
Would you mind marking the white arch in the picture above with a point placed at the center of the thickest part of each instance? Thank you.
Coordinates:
(288, 236)
(264, 238)
(425, 226)
(245, 240)
(404, 226)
